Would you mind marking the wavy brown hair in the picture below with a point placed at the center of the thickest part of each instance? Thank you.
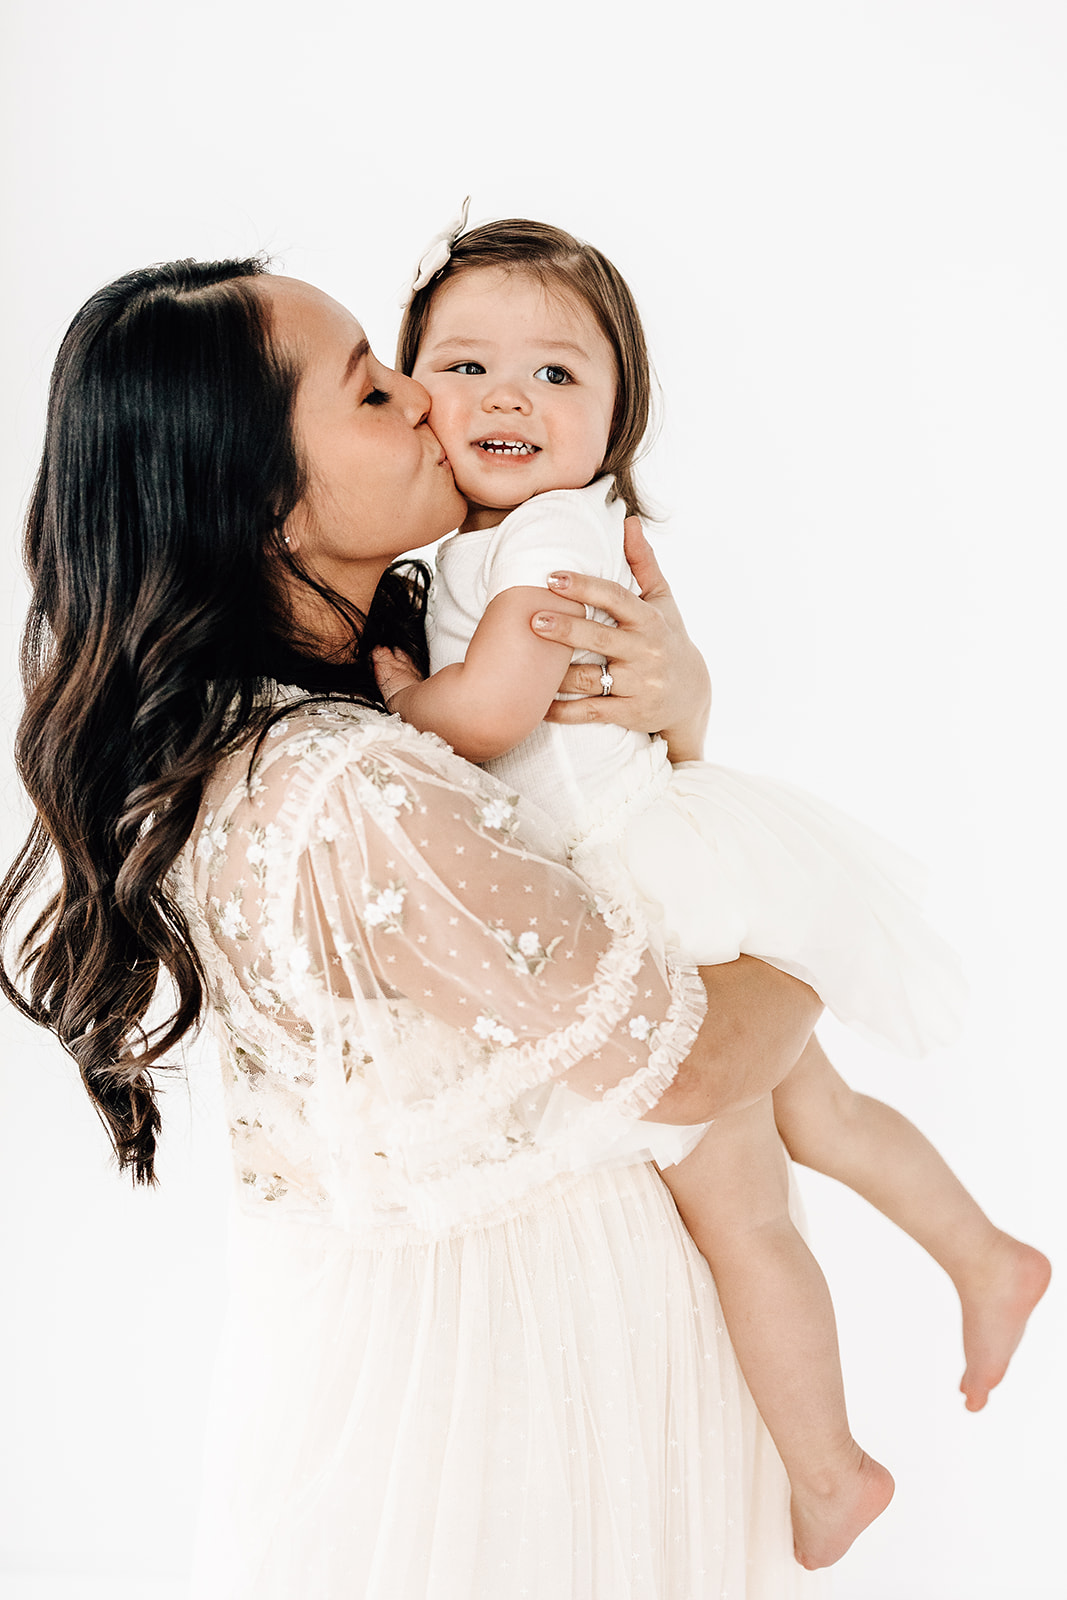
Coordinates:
(157, 629)
(577, 271)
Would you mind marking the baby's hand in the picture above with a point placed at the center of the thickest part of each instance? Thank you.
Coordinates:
(396, 673)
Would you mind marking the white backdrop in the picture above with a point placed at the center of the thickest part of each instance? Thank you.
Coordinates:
(845, 225)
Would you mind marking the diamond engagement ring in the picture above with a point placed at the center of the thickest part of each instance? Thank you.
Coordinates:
(607, 682)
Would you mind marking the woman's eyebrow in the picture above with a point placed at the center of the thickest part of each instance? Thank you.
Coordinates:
(358, 352)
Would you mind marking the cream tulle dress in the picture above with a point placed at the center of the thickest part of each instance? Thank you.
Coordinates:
(722, 861)
(471, 1353)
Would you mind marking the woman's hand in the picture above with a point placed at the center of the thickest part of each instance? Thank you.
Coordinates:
(660, 682)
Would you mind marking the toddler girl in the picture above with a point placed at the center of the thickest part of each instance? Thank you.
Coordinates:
(532, 351)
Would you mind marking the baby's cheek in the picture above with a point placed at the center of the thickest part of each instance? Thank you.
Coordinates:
(444, 421)
(449, 429)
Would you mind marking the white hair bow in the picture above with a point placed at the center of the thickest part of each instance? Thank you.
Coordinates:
(436, 254)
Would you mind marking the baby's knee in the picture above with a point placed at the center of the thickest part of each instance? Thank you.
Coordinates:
(820, 1112)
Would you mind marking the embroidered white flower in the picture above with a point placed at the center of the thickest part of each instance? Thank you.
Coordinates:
(355, 1056)
(640, 1028)
(299, 960)
(489, 1028)
(526, 951)
(212, 841)
(268, 1186)
(264, 842)
(384, 911)
(381, 792)
(500, 815)
(233, 924)
(329, 829)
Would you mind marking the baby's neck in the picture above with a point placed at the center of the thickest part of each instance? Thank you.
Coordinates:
(479, 518)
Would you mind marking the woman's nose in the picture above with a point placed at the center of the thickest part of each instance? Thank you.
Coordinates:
(413, 397)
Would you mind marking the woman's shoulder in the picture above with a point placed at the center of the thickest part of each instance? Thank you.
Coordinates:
(328, 771)
(288, 771)
(312, 740)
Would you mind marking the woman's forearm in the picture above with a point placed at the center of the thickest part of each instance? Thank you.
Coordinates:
(758, 1022)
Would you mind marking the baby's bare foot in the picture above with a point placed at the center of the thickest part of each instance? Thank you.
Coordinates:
(996, 1305)
(827, 1520)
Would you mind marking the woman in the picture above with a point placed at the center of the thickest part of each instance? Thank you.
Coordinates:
(467, 1355)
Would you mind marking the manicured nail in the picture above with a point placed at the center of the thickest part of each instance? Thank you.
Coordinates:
(544, 621)
(559, 580)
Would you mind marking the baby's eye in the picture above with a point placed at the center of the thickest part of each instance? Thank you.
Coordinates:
(555, 375)
(377, 397)
(468, 369)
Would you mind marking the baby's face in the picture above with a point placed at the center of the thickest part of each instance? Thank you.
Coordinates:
(522, 385)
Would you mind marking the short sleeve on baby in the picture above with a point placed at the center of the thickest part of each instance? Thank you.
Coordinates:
(576, 529)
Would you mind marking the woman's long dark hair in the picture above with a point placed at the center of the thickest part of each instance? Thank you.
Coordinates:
(157, 628)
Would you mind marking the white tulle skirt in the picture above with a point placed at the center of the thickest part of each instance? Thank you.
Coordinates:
(545, 1405)
(727, 863)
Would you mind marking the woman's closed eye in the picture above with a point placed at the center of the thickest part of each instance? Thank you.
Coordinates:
(376, 397)
(555, 375)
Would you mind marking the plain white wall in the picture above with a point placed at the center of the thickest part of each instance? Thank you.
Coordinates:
(845, 225)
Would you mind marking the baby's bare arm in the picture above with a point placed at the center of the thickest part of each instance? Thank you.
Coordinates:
(490, 701)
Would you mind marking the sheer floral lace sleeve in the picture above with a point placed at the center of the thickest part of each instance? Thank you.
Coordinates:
(403, 969)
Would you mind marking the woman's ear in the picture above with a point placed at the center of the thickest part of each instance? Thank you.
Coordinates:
(292, 530)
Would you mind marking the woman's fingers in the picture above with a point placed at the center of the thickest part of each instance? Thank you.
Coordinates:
(642, 561)
(622, 604)
(582, 633)
(627, 608)
(616, 709)
(587, 678)
(659, 680)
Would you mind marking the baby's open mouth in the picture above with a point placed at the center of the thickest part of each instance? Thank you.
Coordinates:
(507, 447)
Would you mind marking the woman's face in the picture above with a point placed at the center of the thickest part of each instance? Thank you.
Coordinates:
(379, 481)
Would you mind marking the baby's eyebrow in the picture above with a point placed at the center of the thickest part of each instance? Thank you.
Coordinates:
(564, 344)
(460, 342)
(476, 342)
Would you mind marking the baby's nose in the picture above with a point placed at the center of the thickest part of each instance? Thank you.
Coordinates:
(507, 397)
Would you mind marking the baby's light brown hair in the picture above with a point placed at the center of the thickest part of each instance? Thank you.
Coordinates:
(566, 266)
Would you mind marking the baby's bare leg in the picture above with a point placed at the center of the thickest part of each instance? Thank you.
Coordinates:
(882, 1156)
(733, 1195)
